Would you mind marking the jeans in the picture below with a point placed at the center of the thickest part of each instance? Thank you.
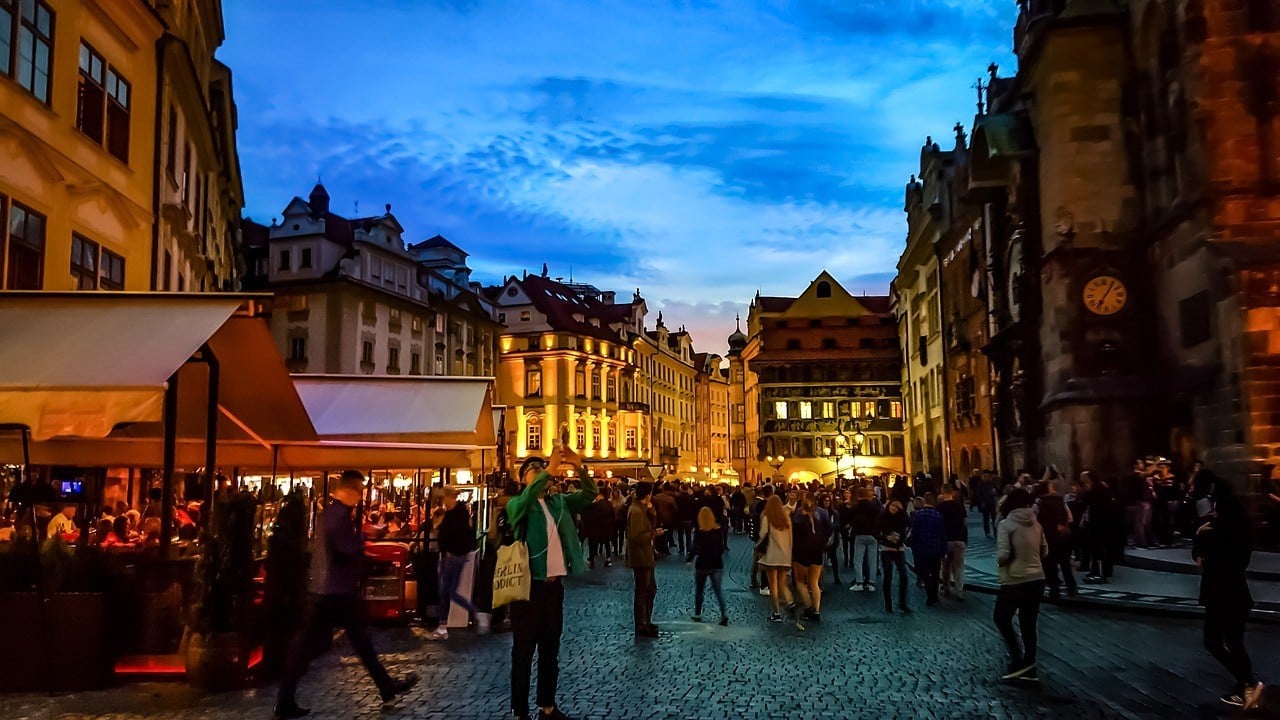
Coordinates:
(646, 591)
(864, 559)
(536, 624)
(1057, 568)
(700, 582)
(451, 567)
(684, 537)
(890, 560)
(598, 547)
(1141, 529)
(953, 567)
(1224, 638)
(1023, 600)
(928, 568)
(322, 615)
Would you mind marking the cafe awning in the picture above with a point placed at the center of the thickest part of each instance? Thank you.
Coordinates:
(409, 410)
(78, 364)
(96, 396)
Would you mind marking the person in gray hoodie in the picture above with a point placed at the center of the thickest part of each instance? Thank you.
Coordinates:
(1020, 550)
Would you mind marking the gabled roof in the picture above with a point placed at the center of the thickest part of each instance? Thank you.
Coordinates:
(559, 303)
(437, 241)
(774, 304)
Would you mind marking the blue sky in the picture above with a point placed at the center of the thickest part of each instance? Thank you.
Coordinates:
(697, 149)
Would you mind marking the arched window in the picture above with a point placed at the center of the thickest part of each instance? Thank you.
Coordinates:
(824, 289)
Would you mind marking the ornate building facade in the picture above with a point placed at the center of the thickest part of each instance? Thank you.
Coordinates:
(94, 192)
(668, 370)
(821, 372)
(1118, 200)
(351, 298)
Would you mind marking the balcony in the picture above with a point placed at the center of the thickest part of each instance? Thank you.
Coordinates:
(634, 407)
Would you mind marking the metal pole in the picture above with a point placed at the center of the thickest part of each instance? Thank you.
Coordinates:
(210, 432)
(170, 459)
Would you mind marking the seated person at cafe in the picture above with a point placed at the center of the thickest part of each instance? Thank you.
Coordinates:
(63, 523)
(102, 531)
(118, 534)
(151, 531)
(373, 527)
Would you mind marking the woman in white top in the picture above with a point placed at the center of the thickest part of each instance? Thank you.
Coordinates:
(775, 534)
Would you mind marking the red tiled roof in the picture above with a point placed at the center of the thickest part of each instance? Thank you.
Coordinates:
(880, 304)
(560, 303)
(774, 304)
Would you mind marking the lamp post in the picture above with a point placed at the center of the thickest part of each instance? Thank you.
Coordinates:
(775, 462)
(852, 443)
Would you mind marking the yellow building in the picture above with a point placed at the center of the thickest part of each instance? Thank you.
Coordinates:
(711, 413)
(77, 144)
(667, 370)
(567, 371)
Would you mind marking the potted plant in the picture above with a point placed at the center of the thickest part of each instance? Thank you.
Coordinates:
(217, 645)
(285, 593)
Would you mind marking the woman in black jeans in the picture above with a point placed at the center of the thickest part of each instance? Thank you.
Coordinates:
(708, 550)
(891, 531)
(1020, 551)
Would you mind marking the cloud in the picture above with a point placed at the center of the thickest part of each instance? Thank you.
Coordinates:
(698, 149)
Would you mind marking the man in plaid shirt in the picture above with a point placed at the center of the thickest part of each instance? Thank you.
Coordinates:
(928, 545)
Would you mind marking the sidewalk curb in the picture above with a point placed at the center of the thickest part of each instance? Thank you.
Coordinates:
(1178, 568)
(1266, 617)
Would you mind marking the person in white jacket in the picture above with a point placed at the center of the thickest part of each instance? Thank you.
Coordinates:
(1020, 550)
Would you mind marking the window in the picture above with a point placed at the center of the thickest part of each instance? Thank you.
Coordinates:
(630, 437)
(166, 283)
(828, 343)
(780, 410)
(533, 436)
(828, 410)
(595, 435)
(366, 352)
(895, 408)
(739, 448)
(439, 365)
(806, 410)
(284, 260)
(740, 413)
(102, 107)
(582, 433)
(824, 289)
(869, 409)
(502, 318)
(526, 315)
(793, 344)
(297, 348)
(22, 247)
(580, 383)
(595, 386)
(30, 59)
(93, 267)
(393, 358)
(415, 363)
(612, 390)
(533, 383)
(1194, 319)
(416, 324)
(305, 260)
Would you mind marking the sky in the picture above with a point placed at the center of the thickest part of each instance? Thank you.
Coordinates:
(699, 150)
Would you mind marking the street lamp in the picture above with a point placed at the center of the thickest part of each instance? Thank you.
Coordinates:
(853, 443)
(775, 462)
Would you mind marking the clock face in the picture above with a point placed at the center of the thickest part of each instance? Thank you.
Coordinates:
(1105, 295)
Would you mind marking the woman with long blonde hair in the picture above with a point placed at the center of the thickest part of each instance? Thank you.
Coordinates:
(708, 555)
(775, 542)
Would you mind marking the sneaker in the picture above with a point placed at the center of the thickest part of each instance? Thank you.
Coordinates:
(870, 587)
(608, 563)
(724, 622)
(775, 618)
(1253, 695)
(1232, 699)
(764, 592)
(1031, 675)
(441, 633)
(398, 688)
(292, 711)
(696, 618)
(858, 587)
(1017, 670)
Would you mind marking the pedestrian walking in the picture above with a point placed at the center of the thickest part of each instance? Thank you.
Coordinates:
(641, 534)
(546, 524)
(1020, 549)
(336, 555)
(708, 557)
(833, 541)
(955, 524)
(891, 533)
(774, 546)
(457, 538)
(758, 574)
(812, 531)
(1222, 548)
(928, 545)
(686, 515)
(597, 525)
(986, 499)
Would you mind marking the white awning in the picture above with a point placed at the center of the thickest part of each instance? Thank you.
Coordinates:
(78, 364)
(408, 410)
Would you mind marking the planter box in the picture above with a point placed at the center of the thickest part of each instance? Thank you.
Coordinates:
(73, 625)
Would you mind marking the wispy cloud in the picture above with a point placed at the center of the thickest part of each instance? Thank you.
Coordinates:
(697, 149)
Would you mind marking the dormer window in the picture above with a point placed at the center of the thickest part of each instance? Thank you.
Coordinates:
(304, 262)
(284, 260)
(824, 289)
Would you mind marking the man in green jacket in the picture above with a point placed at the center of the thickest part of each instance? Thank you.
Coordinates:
(546, 524)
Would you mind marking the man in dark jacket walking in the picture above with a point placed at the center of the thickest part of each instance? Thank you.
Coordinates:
(1223, 549)
(336, 554)
(1055, 517)
(457, 537)
(641, 560)
(928, 545)
(955, 523)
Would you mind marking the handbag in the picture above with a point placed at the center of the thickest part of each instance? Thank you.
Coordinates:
(511, 574)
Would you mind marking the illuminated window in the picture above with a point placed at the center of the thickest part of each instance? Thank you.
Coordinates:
(533, 383)
(533, 435)
(828, 410)
(780, 410)
(582, 433)
(806, 410)
(631, 438)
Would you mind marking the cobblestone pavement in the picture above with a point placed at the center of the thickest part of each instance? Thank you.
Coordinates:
(941, 662)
